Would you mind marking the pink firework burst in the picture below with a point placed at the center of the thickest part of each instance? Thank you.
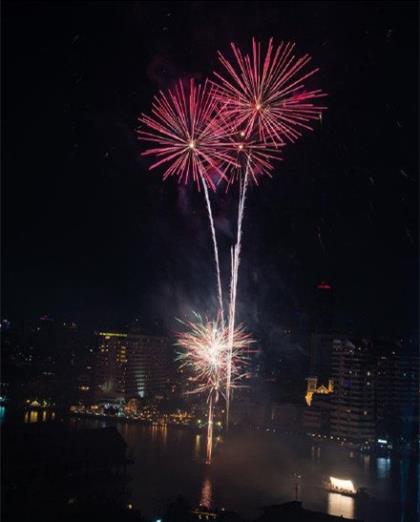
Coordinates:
(186, 132)
(267, 96)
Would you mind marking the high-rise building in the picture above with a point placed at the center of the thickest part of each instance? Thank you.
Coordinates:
(372, 390)
(150, 370)
(320, 356)
(397, 390)
(353, 411)
(316, 419)
(110, 365)
(323, 308)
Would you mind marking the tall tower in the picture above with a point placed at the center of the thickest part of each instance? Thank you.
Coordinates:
(353, 413)
(150, 366)
(323, 308)
(110, 365)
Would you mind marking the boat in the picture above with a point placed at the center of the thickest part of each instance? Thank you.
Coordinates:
(344, 487)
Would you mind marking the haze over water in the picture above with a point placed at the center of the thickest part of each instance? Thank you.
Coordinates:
(254, 469)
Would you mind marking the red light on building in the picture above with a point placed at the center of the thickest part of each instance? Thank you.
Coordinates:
(324, 286)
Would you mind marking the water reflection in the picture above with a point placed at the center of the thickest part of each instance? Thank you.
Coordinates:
(366, 463)
(250, 470)
(31, 417)
(34, 416)
(383, 467)
(197, 447)
(164, 437)
(315, 453)
(206, 493)
(340, 505)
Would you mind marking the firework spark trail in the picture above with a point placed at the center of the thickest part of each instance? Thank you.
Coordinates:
(216, 249)
(233, 287)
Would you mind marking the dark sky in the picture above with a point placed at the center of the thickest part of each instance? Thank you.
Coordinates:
(89, 235)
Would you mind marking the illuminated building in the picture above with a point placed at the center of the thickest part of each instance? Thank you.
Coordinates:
(372, 389)
(110, 365)
(397, 389)
(316, 417)
(353, 411)
(320, 387)
(150, 366)
(313, 388)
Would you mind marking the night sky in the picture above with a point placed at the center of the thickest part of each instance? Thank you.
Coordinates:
(90, 235)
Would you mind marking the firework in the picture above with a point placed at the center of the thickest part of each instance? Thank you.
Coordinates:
(232, 130)
(205, 346)
(189, 143)
(186, 134)
(267, 97)
(249, 152)
(266, 103)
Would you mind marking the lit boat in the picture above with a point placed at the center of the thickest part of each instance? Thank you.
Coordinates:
(344, 487)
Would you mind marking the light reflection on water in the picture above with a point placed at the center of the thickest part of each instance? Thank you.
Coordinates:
(34, 416)
(206, 493)
(197, 447)
(249, 470)
(366, 461)
(383, 466)
(315, 452)
(340, 505)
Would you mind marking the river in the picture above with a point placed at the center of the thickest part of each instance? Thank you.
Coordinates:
(254, 469)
